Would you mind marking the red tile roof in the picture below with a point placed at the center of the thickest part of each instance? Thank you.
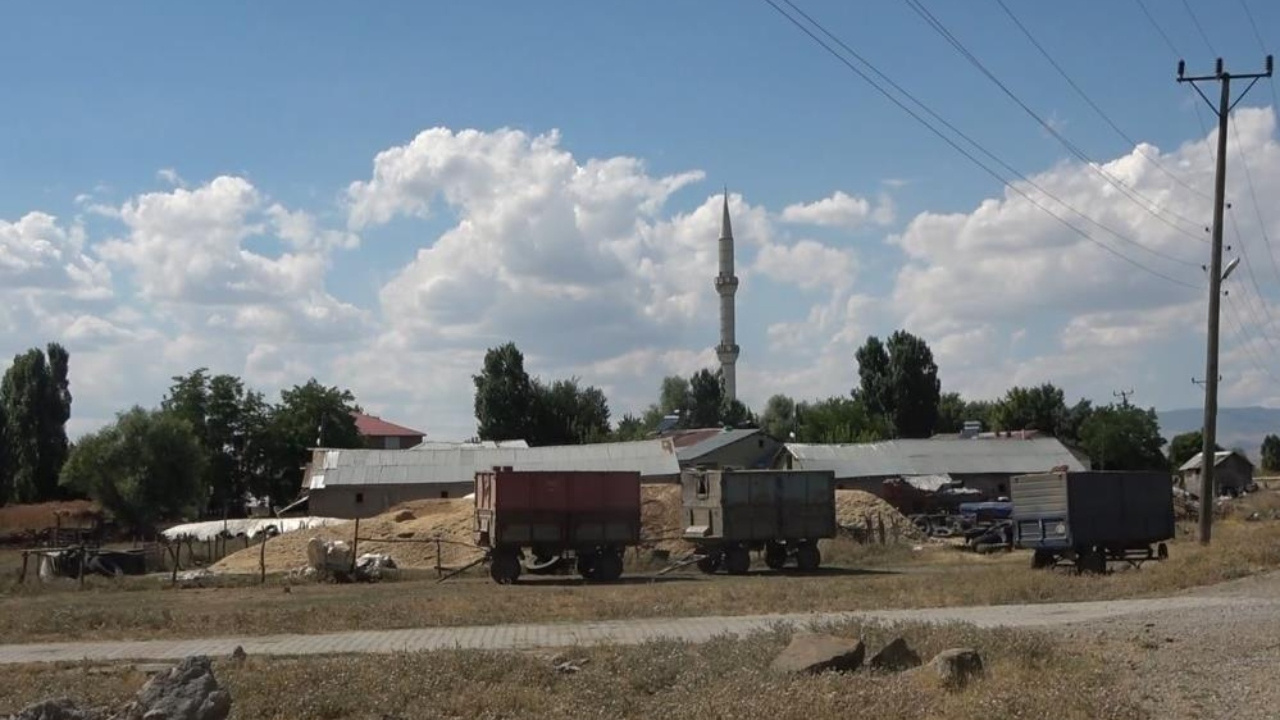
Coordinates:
(374, 426)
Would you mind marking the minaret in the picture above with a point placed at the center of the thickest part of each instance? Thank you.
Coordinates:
(727, 287)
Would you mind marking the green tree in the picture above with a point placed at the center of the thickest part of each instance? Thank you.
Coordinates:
(505, 395)
(566, 414)
(839, 420)
(308, 416)
(144, 468)
(5, 479)
(874, 382)
(915, 388)
(1271, 453)
(675, 396)
(706, 400)
(630, 428)
(1042, 408)
(1185, 446)
(733, 413)
(35, 394)
(779, 416)
(1124, 437)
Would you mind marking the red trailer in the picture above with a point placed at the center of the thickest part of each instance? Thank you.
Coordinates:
(589, 517)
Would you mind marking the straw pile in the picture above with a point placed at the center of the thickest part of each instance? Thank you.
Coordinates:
(854, 507)
(451, 519)
(661, 520)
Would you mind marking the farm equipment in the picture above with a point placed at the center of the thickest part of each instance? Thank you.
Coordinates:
(584, 518)
(729, 513)
(1088, 519)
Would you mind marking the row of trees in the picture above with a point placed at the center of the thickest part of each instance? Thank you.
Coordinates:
(511, 405)
(35, 404)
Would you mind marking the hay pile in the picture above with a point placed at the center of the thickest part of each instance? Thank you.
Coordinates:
(451, 519)
(661, 519)
(853, 507)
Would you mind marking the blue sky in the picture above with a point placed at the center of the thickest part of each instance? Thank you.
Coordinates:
(296, 100)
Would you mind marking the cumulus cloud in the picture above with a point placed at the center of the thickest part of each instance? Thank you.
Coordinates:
(38, 254)
(841, 210)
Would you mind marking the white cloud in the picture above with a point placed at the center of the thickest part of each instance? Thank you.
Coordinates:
(842, 211)
(37, 254)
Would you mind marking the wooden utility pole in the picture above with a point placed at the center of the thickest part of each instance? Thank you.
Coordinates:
(1223, 111)
(1124, 396)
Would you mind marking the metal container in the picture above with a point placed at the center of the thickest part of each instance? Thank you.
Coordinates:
(587, 516)
(1093, 517)
(728, 513)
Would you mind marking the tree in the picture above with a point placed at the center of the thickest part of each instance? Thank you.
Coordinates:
(5, 480)
(675, 396)
(35, 394)
(505, 395)
(779, 417)
(1187, 445)
(630, 428)
(706, 400)
(873, 377)
(839, 420)
(565, 414)
(1124, 437)
(1042, 408)
(915, 389)
(308, 416)
(1271, 453)
(144, 468)
(733, 413)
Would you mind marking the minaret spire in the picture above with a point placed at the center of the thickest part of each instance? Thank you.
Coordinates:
(727, 287)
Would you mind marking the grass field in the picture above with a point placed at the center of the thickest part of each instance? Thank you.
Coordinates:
(138, 608)
(1029, 675)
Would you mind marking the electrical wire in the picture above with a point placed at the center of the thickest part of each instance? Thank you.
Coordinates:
(1243, 341)
(1253, 278)
(1107, 118)
(1203, 35)
(1133, 195)
(1271, 81)
(916, 116)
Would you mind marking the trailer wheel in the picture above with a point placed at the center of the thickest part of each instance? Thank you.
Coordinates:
(1162, 551)
(710, 563)
(775, 556)
(588, 566)
(1092, 562)
(608, 567)
(1042, 559)
(808, 558)
(737, 561)
(504, 568)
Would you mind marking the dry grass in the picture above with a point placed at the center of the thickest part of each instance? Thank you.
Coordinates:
(1029, 675)
(18, 520)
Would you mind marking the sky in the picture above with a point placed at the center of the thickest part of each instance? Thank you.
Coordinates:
(375, 195)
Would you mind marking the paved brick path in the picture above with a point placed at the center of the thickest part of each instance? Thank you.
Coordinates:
(621, 632)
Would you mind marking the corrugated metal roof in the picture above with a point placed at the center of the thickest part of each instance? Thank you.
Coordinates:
(490, 444)
(710, 442)
(1218, 458)
(651, 458)
(935, 457)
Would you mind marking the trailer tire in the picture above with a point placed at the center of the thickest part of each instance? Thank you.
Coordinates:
(1092, 562)
(1042, 559)
(808, 558)
(608, 567)
(737, 561)
(504, 568)
(775, 556)
(588, 566)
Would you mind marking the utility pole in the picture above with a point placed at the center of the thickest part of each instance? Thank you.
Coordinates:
(1124, 396)
(1223, 111)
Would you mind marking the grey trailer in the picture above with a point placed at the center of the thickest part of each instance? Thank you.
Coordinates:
(1092, 518)
(729, 513)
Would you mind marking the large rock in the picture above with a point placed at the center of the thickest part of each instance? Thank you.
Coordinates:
(60, 709)
(956, 667)
(895, 657)
(188, 691)
(814, 653)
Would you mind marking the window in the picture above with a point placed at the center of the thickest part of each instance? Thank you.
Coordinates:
(444, 493)
(359, 497)
(393, 443)
(703, 490)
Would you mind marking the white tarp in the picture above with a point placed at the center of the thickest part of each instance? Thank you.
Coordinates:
(248, 527)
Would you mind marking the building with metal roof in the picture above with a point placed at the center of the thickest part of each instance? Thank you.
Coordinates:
(360, 483)
(1232, 472)
(984, 464)
(749, 448)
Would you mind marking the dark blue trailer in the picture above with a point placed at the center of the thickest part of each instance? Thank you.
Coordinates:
(1091, 518)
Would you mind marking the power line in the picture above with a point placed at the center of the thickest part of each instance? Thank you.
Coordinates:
(1255, 355)
(1268, 322)
(1156, 25)
(1253, 193)
(1203, 35)
(1275, 102)
(843, 60)
(1133, 195)
(1132, 143)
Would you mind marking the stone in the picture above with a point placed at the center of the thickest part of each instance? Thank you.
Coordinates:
(956, 667)
(239, 655)
(188, 691)
(895, 657)
(815, 653)
(404, 516)
(59, 709)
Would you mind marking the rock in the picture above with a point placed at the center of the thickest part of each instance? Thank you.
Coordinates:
(239, 655)
(956, 667)
(188, 691)
(404, 516)
(60, 709)
(814, 653)
(895, 657)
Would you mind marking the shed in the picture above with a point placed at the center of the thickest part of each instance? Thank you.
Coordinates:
(382, 435)
(1232, 472)
(349, 483)
(718, 448)
(982, 464)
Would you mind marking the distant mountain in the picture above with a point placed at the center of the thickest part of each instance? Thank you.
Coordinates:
(1241, 428)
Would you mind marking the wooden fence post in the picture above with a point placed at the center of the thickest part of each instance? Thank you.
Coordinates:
(355, 543)
(880, 527)
(80, 573)
(26, 554)
(439, 568)
(262, 561)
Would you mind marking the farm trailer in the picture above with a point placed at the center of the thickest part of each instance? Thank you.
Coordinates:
(587, 517)
(1091, 518)
(729, 513)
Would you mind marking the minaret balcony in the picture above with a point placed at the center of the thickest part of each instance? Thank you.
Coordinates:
(727, 281)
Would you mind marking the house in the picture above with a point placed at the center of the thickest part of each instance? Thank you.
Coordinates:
(984, 465)
(716, 448)
(1232, 473)
(351, 483)
(379, 434)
